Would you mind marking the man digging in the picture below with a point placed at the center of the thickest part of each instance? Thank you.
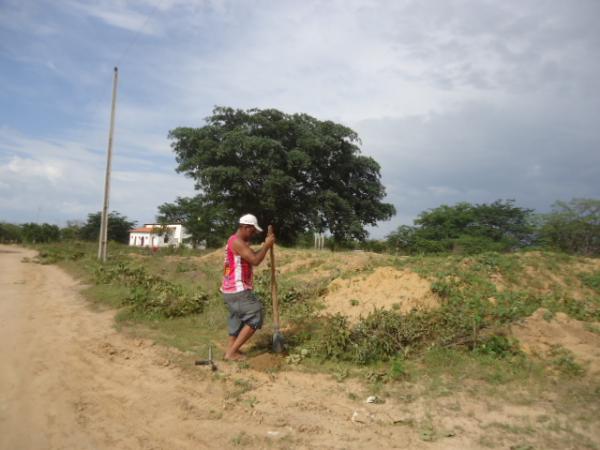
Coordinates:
(245, 309)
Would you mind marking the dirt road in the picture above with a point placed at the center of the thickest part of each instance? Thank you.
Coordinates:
(68, 380)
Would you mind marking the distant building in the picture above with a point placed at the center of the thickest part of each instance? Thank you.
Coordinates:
(156, 235)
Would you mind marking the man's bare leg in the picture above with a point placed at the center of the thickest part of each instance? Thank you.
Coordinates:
(236, 342)
(230, 344)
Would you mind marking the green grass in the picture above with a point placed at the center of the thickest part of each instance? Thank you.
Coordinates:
(106, 295)
(591, 280)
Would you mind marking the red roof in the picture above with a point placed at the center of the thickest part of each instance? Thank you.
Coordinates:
(149, 229)
(141, 230)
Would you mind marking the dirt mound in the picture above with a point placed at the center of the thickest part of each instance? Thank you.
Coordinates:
(540, 332)
(299, 264)
(217, 254)
(295, 261)
(386, 287)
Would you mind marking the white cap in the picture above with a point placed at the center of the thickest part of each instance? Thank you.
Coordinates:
(249, 219)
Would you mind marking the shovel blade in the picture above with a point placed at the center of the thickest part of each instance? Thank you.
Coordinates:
(278, 342)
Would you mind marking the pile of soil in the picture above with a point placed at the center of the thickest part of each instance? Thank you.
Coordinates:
(386, 287)
(540, 332)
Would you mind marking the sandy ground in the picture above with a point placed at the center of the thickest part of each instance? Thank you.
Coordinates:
(540, 332)
(68, 380)
(386, 287)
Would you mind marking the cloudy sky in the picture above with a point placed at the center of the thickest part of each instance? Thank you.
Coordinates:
(457, 100)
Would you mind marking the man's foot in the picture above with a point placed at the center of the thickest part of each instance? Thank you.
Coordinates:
(237, 356)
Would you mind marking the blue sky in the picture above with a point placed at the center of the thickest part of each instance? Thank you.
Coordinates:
(457, 100)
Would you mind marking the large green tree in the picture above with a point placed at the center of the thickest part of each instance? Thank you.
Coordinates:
(294, 171)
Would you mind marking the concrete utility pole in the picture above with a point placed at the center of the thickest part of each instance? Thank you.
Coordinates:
(104, 220)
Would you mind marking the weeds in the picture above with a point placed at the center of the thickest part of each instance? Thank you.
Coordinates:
(398, 369)
(498, 346)
(591, 280)
(151, 294)
(592, 328)
(52, 254)
(562, 359)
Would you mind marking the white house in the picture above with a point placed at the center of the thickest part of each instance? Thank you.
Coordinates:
(156, 235)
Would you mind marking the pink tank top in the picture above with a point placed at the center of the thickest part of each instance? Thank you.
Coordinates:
(237, 272)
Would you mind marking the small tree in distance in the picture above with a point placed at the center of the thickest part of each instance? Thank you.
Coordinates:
(573, 226)
(39, 233)
(466, 228)
(118, 227)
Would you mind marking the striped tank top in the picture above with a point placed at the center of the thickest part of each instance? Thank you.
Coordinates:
(237, 272)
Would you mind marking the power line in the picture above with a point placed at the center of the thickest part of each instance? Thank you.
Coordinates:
(138, 32)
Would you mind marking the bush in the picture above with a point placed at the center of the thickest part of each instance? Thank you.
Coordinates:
(52, 255)
(378, 337)
(151, 294)
(336, 338)
(498, 346)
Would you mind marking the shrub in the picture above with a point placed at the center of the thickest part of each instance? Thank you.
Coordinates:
(335, 340)
(151, 294)
(498, 346)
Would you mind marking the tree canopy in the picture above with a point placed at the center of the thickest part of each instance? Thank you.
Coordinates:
(293, 171)
(466, 227)
(10, 233)
(573, 226)
(203, 220)
(118, 227)
(39, 233)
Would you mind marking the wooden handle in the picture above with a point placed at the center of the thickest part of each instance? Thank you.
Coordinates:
(274, 286)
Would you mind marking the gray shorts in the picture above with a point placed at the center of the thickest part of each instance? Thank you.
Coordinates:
(244, 309)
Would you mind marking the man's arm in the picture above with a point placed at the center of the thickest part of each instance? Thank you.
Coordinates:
(253, 257)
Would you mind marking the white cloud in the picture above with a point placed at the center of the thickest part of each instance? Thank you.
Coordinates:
(440, 92)
(60, 180)
(117, 14)
(51, 171)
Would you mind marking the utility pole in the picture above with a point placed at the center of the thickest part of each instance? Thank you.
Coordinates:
(104, 220)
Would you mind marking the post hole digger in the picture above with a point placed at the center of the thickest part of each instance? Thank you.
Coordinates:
(277, 336)
(207, 362)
